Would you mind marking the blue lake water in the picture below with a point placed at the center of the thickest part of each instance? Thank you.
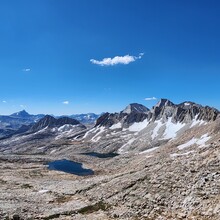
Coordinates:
(69, 166)
(99, 155)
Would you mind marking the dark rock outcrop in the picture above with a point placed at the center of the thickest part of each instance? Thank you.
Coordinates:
(50, 122)
(184, 112)
(131, 114)
(164, 109)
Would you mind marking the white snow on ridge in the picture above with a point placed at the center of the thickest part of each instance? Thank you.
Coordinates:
(121, 149)
(90, 131)
(101, 130)
(97, 139)
(186, 103)
(156, 129)
(149, 150)
(200, 142)
(172, 129)
(66, 127)
(138, 126)
(187, 144)
(115, 126)
(197, 123)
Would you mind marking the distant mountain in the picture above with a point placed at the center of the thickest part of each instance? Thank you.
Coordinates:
(51, 122)
(21, 114)
(135, 128)
(11, 124)
(25, 115)
(89, 118)
(135, 108)
(43, 133)
(15, 123)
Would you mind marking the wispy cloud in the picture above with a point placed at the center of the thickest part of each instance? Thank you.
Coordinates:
(66, 102)
(22, 106)
(4, 101)
(26, 70)
(117, 60)
(150, 98)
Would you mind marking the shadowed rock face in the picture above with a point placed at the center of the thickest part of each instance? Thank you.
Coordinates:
(107, 120)
(184, 112)
(164, 109)
(50, 122)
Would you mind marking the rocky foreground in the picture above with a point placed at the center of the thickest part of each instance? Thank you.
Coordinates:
(158, 184)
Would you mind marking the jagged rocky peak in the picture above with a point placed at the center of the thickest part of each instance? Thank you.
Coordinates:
(135, 107)
(189, 104)
(132, 113)
(50, 122)
(163, 103)
(184, 112)
(21, 114)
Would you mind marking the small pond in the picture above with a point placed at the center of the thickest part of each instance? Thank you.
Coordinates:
(69, 166)
(99, 155)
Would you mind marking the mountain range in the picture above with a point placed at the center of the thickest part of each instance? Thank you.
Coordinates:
(165, 165)
(136, 128)
(22, 121)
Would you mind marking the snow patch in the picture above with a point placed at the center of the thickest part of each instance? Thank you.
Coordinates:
(197, 123)
(187, 144)
(53, 151)
(172, 129)
(121, 149)
(90, 131)
(156, 129)
(149, 150)
(200, 142)
(115, 126)
(101, 130)
(66, 127)
(138, 126)
(43, 191)
(97, 139)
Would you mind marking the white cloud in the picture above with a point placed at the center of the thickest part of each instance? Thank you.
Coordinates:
(22, 106)
(150, 99)
(26, 70)
(4, 101)
(66, 102)
(116, 60)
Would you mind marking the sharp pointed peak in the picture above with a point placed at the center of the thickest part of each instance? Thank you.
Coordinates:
(164, 102)
(22, 113)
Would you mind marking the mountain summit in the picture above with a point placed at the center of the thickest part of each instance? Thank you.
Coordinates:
(163, 102)
(135, 107)
(21, 114)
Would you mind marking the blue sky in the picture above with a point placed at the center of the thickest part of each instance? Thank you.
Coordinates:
(52, 51)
